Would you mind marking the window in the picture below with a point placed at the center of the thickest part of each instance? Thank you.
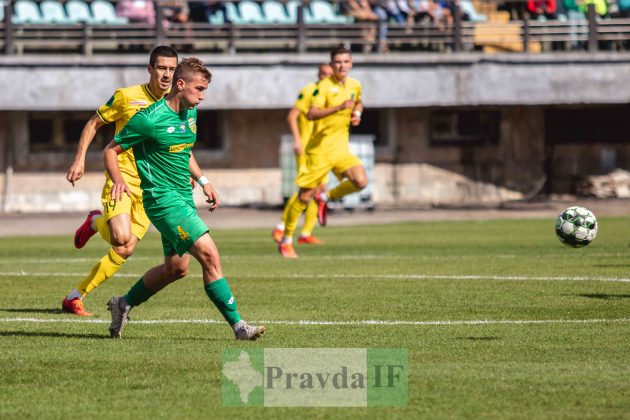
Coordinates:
(60, 131)
(371, 123)
(464, 127)
(590, 125)
(210, 131)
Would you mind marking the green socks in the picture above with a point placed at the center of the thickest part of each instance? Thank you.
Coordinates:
(220, 294)
(139, 293)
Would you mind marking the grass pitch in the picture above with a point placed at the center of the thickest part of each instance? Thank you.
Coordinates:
(499, 318)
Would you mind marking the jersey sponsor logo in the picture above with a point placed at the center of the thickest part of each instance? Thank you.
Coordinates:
(334, 89)
(182, 127)
(192, 124)
(183, 235)
(179, 147)
(170, 129)
(139, 103)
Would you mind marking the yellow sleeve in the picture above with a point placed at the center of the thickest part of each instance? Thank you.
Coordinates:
(358, 91)
(303, 102)
(319, 95)
(114, 109)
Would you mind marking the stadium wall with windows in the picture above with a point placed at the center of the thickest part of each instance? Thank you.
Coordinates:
(448, 130)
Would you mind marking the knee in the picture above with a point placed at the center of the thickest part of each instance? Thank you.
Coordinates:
(210, 259)
(178, 272)
(125, 251)
(305, 195)
(120, 239)
(360, 181)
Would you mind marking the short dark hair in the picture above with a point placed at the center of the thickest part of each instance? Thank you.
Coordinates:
(161, 51)
(338, 51)
(188, 68)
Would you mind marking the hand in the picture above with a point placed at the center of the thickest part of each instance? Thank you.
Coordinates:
(355, 120)
(213, 197)
(193, 183)
(298, 149)
(118, 189)
(347, 104)
(75, 172)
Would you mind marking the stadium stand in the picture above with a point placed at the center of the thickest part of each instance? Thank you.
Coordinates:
(251, 12)
(104, 12)
(53, 12)
(26, 11)
(275, 12)
(79, 12)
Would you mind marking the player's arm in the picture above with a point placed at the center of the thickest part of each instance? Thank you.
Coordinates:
(110, 158)
(357, 111)
(292, 120)
(208, 190)
(316, 113)
(77, 169)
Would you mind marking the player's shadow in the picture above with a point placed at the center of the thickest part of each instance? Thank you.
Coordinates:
(32, 310)
(483, 338)
(604, 296)
(51, 334)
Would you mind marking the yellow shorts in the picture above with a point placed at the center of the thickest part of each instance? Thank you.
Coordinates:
(318, 166)
(128, 205)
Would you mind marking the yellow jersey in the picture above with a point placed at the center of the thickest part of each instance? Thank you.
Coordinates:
(332, 133)
(303, 104)
(119, 109)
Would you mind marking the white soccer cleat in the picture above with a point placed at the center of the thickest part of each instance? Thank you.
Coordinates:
(119, 308)
(244, 331)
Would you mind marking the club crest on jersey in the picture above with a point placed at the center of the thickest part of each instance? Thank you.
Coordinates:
(170, 129)
(182, 127)
(192, 124)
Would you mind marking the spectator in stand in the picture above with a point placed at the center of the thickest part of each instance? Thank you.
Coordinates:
(361, 11)
(201, 11)
(538, 8)
(137, 11)
(601, 7)
(175, 11)
(386, 10)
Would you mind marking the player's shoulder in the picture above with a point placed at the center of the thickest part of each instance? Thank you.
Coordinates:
(350, 82)
(308, 90)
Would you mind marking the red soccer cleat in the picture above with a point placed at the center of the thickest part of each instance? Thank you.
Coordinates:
(277, 235)
(322, 210)
(85, 232)
(74, 306)
(309, 240)
(287, 250)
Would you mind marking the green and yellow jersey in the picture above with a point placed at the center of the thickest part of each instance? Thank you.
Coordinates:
(332, 133)
(303, 104)
(119, 109)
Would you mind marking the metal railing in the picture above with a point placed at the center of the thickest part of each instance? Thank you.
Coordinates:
(588, 34)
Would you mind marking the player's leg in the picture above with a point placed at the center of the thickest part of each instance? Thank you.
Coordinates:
(310, 220)
(218, 290)
(300, 164)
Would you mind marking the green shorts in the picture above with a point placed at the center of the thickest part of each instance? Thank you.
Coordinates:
(176, 219)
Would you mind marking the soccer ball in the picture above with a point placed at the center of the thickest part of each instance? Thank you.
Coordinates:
(576, 226)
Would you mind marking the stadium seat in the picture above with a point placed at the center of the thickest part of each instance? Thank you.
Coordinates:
(250, 12)
(216, 19)
(104, 12)
(2, 4)
(275, 12)
(467, 7)
(26, 11)
(232, 13)
(324, 12)
(53, 12)
(78, 11)
(292, 7)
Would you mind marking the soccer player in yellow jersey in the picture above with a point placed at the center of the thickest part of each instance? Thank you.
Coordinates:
(123, 222)
(336, 105)
(301, 129)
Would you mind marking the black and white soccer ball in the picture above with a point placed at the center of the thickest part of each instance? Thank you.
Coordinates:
(576, 227)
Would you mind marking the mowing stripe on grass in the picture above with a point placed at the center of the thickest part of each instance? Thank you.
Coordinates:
(334, 323)
(356, 276)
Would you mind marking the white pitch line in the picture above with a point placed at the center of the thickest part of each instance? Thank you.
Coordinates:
(332, 323)
(355, 276)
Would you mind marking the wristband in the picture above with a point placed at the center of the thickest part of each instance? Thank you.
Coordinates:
(202, 180)
(356, 113)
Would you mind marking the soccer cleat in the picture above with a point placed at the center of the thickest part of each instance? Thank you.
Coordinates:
(85, 232)
(244, 331)
(287, 250)
(119, 308)
(309, 240)
(322, 210)
(74, 306)
(277, 235)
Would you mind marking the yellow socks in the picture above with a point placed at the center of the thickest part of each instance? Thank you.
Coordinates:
(341, 190)
(104, 269)
(285, 212)
(295, 210)
(310, 218)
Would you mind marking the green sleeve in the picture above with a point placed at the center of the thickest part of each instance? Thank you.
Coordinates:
(139, 129)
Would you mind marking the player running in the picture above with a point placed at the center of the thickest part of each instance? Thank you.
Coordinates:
(301, 128)
(162, 137)
(336, 105)
(124, 222)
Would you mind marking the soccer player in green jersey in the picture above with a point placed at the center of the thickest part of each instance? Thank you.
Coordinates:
(336, 105)
(162, 137)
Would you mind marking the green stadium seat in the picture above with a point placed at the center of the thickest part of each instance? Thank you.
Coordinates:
(250, 12)
(324, 12)
(275, 12)
(26, 11)
(78, 11)
(467, 7)
(2, 4)
(292, 7)
(232, 13)
(104, 12)
(53, 12)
